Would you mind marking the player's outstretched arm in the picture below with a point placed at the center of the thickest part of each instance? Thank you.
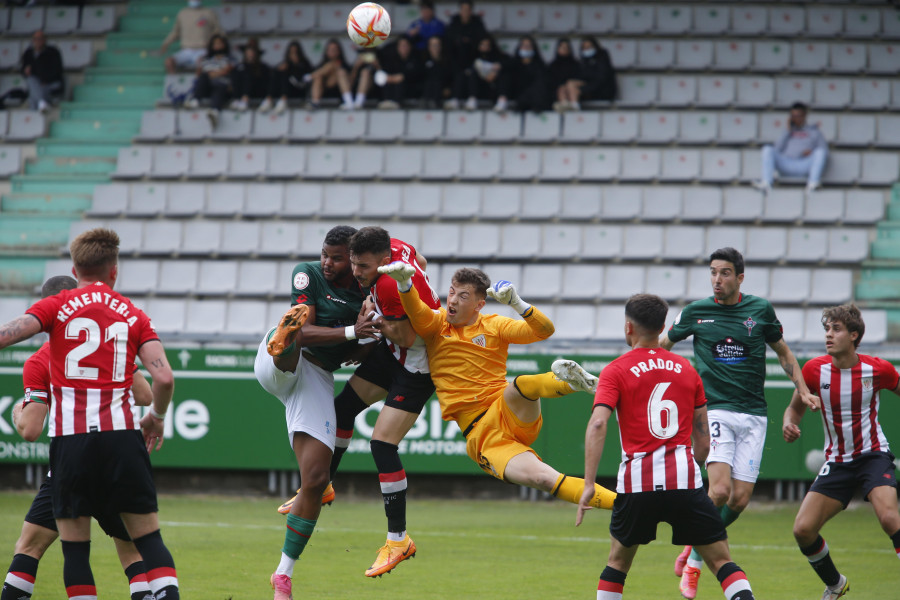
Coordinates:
(153, 355)
(594, 438)
(504, 292)
(19, 329)
(536, 325)
(792, 370)
(793, 414)
(422, 318)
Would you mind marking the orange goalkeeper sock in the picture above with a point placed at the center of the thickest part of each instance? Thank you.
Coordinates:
(570, 488)
(543, 385)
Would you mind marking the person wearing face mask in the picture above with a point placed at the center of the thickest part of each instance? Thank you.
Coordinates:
(595, 80)
(193, 28)
(530, 80)
(214, 78)
(563, 69)
(488, 77)
(801, 152)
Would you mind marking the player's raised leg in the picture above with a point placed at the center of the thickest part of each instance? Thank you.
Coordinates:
(816, 510)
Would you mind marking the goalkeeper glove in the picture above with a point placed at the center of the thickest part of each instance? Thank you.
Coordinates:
(505, 293)
(400, 272)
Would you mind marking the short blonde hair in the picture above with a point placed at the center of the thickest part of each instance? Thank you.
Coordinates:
(95, 250)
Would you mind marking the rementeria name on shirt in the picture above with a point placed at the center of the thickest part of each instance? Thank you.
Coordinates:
(655, 364)
(76, 302)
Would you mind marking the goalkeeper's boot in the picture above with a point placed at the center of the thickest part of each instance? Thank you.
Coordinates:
(682, 560)
(287, 327)
(390, 555)
(842, 587)
(282, 586)
(689, 579)
(572, 373)
(327, 498)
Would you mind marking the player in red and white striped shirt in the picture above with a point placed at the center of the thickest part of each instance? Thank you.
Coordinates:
(99, 459)
(856, 450)
(661, 410)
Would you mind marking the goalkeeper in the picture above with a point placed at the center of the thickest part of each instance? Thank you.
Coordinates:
(467, 354)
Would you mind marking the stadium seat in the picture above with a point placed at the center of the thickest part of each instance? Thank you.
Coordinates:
(623, 281)
(170, 162)
(574, 321)
(184, 199)
(247, 162)
(480, 162)
(658, 127)
(791, 89)
(110, 200)
(680, 165)
(771, 56)
(25, 21)
(245, 317)
(749, 20)
(157, 126)
(620, 126)
(809, 56)
(225, 199)
(521, 18)
(832, 286)
(826, 206)
(501, 127)
(461, 201)
(402, 162)
(636, 19)
(441, 162)
(847, 58)
(302, 200)
(10, 160)
(638, 90)
(884, 59)
(824, 22)
(888, 131)
(259, 278)
(240, 238)
(720, 165)
(308, 125)
(622, 53)
(666, 281)
(192, 126)
(168, 315)
(463, 126)
(876, 325)
(559, 18)
(270, 126)
(787, 21)
(278, 238)
(208, 162)
(347, 126)
(711, 20)
(655, 54)
(742, 204)
(733, 55)
(693, 55)
(600, 164)
(160, 237)
(138, 277)
(683, 242)
(871, 94)
(716, 91)
(61, 20)
(79, 54)
(298, 18)
(621, 203)
(783, 205)
(722, 237)
(661, 203)
(520, 163)
(880, 168)
(642, 242)
(381, 201)
(580, 203)
(698, 284)
(201, 238)
(541, 281)
(387, 126)
(739, 128)
(324, 162)
(424, 125)
(602, 241)
(261, 18)
(440, 241)
(561, 241)
(147, 200)
(540, 202)
(341, 200)
(580, 127)
(610, 323)
(673, 19)
(832, 93)
(855, 130)
(862, 22)
(702, 204)
(582, 282)
(597, 19)
(560, 164)
(286, 162)
(677, 91)
(25, 125)
(864, 207)
(363, 162)
(272, 50)
(792, 324)
(806, 245)
(97, 20)
(519, 241)
(698, 128)
(176, 277)
(4, 123)
(843, 168)
(540, 127)
(890, 24)
(789, 285)
(205, 317)
(754, 92)
(640, 164)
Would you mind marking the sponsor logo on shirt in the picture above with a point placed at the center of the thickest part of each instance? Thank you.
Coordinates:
(699, 321)
(479, 340)
(826, 386)
(302, 298)
(301, 280)
(335, 299)
(729, 351)
(749, 324)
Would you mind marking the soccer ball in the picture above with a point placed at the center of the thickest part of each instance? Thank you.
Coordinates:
(368, 25)
(814, 460)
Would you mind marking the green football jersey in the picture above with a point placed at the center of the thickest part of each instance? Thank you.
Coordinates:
(335, 307)
(730, 349)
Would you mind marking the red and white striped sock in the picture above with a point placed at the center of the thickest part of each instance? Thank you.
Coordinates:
(734, 582)
(612, 582)
(19, 582)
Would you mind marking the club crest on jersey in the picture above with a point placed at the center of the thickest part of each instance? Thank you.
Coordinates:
(479, 340)
(866, 383)
(301, 280)
(749, 324)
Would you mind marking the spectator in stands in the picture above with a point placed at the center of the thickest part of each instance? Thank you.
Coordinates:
(332, 77)
(251, 78)
(42, 67)
(596, 79)
(801, 152)
(487, 78)
(290, 79)
(436, 73)
(214, 78)
(530, 80)
(564, 68)
(466, 29)
(194, 27)
(398, 73)
(425, 27)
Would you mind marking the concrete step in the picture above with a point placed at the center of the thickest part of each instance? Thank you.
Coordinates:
(117, 93)
(140, 77)
(886, 248)
(58, 165)
(90, 111)
(69, 148)
(147, 24)
(38, 232)
(23, 274)
(72, 205)
(101, 130)
(124, 58)
(56, 184)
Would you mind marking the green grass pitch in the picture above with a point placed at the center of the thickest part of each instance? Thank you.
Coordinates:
(226, 547)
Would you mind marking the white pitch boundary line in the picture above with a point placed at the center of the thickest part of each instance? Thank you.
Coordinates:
(494, 536)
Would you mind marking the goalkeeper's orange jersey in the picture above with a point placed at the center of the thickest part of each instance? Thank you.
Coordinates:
(468, 364)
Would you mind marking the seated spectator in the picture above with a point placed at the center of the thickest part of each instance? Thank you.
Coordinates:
(290, 79)
(563, 69)
(425, 27)
(437, 75)
(487, 78)
(331, 79)
(214, 78)
(801, 152)
(398, 74)
(596, 79)
(466, 29)
(251, 77)
(42, 68)
(193, 28)
(530, 86)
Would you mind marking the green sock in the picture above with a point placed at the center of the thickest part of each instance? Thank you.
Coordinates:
(296, 536)
(729, 516)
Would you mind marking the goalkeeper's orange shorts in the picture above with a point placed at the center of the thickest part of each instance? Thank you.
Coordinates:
(498, 436)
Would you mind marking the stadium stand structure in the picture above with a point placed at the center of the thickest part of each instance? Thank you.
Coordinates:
(580, 209)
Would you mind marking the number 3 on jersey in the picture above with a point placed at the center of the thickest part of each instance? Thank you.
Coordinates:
(656, 408)
(118, 332)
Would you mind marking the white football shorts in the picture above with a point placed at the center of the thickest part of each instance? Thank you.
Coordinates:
(737, 439)
(307, 395)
